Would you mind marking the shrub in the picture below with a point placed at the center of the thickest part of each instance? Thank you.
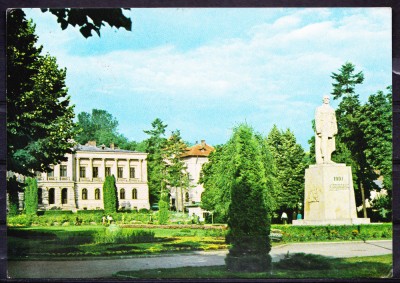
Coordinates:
(31, 196)
(20, 220)
(302, 261)
(325, 233)
(97, 211)
(124, 236)
(57, 212)
(12, 190)
(163, 213)
(110, 195)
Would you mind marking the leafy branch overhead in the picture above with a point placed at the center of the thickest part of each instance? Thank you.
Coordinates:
(91, 19)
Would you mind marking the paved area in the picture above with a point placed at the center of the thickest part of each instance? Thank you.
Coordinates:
(104, 268)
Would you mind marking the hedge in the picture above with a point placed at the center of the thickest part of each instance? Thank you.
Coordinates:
(292, 233)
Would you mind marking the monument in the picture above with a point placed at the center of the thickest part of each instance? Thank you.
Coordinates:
(329, 193)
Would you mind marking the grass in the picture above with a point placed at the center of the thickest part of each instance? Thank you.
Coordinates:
(89, 241)
(93, 240)
(357, 267)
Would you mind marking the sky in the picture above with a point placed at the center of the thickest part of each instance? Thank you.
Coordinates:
(204, 71)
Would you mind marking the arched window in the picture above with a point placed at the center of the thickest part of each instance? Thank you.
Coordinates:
(51, 196)
(134, 194)
(84, 194)
(122, 194)
(40, 195)
(97, 194)
(187, 197)
(64, 196)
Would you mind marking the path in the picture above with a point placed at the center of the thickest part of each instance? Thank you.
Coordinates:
(104, 268)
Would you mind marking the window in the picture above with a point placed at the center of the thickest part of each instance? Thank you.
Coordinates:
(63, 170)
(97, 194)
(134, 194)
(40, 196)
(120, 172)
(51, 172)
(187, 197)
(108, 171)
(95, 172)
(132, 172)
(122, 194)
(82, 171)
(64, 196)
(84, 194)
(51, 196)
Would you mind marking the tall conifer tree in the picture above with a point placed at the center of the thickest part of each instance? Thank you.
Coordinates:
(31, 196)
(248, 215)
(110, 197)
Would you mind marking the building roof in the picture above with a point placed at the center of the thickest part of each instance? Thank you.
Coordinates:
(102, 148)
(201, 149)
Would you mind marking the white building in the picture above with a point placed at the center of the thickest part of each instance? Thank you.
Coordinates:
(194, 158)
(77, 184)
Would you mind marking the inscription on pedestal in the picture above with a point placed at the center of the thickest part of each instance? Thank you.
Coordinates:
(339, 183)
(338, 187)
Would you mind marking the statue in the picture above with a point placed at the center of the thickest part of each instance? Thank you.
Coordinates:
(326, 129)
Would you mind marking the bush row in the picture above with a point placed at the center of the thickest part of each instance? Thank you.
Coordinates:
(177, 226)
(85, 217)
(123, 236)
(346, 232)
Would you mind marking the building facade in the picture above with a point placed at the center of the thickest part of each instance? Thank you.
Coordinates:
(77, 183)
(194, 158)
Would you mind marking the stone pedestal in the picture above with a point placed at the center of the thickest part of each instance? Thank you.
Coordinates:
(329, 196)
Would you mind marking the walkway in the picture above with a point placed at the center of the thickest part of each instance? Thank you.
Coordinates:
(104, 268)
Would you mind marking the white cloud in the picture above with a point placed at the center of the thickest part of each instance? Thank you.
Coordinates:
(277, 74)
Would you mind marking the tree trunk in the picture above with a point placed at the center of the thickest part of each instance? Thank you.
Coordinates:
(363, 200)
(183, 206)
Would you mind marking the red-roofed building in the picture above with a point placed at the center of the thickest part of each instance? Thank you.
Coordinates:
(194, 158)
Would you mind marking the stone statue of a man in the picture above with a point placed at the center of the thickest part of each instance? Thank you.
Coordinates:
(326, 129)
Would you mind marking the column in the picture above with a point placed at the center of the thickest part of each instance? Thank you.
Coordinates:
(145, 170)
(141, 170)
(90, 170)
(70, 167)
(104, 169)
(77, 168)
(115, 171)
(57, 196)
(45, 197)
(56, 172)
(127, 166)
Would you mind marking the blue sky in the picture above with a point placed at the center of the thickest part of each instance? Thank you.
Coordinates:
(204, 71)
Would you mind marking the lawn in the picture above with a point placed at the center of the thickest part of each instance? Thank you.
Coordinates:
(96, 240)
(89, 241)
(357, 267)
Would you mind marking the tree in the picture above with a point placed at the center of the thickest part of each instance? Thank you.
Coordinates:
(216, 179)
(376, 124)
(39, 115)
(291, 162)
(155, 164)
(102, 127)
(90, 19)
(163, 206)
(248, 214)
(110, 198)
(176, 175)
(350, 133)
(31, 196)
(13, 186)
